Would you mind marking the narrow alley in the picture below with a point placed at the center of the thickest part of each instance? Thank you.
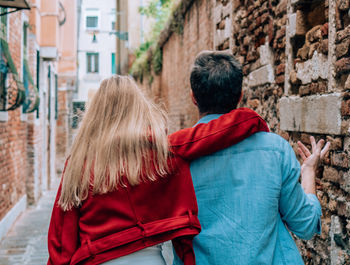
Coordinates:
(26, 242)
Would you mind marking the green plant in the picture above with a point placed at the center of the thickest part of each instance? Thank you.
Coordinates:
(157, 60)
(149, 55)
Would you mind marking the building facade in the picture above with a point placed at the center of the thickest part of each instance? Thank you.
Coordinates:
(96, 46)
(33, 58)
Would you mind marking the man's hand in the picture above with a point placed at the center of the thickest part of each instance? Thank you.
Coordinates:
(310, 162)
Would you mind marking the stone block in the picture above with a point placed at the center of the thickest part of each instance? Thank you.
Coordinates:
(266, 55)
(342, 34)
(218, 13)
(342, 66)
(323, 48)
(280, 69)
(343, 5)
(342, 48)
(336, 143)
(347, 83)
(303, 52)
(324, 30)
(347, 144)
(279, 79)
(304, 90)
(346, 180)
(293, 77)
(226, 11)
(253, 103)
(281, 33)
(340, 159)
(281, 8)
(292, 24)
(221, 25)
(261, 76)
(313, 47)
(313, 69)
(331, 174)
(314, 34)
(301, 25)
(345, 108)
(312, 114)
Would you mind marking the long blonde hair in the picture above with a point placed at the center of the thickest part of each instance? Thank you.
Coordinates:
(122, 135)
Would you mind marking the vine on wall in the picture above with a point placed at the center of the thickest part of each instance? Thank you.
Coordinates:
(167, 17)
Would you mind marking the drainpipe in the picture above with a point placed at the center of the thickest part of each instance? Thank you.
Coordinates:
(118, 29)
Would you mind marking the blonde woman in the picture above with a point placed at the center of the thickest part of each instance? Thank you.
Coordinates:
(123, 192)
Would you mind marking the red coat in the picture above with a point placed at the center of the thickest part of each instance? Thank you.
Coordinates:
(118, 223)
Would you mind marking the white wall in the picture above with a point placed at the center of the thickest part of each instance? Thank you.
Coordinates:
(139, 25)
(105, 46)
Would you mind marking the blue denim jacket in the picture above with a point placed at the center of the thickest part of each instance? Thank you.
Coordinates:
(248, 198)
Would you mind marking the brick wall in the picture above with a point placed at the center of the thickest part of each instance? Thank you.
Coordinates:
(178, 55)
(13, 136)
(296, 63)
(34, 134)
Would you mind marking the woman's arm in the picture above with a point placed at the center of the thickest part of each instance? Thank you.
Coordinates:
(63, 236)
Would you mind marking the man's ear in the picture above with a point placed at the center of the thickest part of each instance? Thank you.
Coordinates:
(193, 99)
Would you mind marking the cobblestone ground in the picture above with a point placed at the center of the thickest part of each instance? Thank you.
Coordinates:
(26, 243)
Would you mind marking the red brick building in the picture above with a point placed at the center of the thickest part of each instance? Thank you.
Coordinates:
(36, 77)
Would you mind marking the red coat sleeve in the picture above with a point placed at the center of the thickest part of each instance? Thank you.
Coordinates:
(63, 239)
(207, 138)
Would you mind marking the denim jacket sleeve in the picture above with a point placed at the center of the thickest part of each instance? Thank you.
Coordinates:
(299, 211)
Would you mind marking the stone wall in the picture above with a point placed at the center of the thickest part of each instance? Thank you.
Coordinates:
(296, 64)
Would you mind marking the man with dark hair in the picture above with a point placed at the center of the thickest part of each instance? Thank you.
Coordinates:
(248, 192)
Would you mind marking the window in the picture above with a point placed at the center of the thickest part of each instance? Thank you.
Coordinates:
(113, 63)
(92, 62)
(92, 22)
(92, 18)
(113, 16)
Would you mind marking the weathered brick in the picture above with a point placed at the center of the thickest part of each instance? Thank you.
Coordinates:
(343, 5)
(331, 174)
(340, 159)
(313, 47)
(304, 90)
(323, 47)
(345, 107)
(279, 79)
(314, 34)
(281, 33)
(303, 52)
(342, 66)
(254, 103)
(324, 30)
(342, 34)
(342, 49)
(281, 8)
(280, 69)
(336, 143)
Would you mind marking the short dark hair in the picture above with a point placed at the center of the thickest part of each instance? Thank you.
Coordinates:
(216, 82)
